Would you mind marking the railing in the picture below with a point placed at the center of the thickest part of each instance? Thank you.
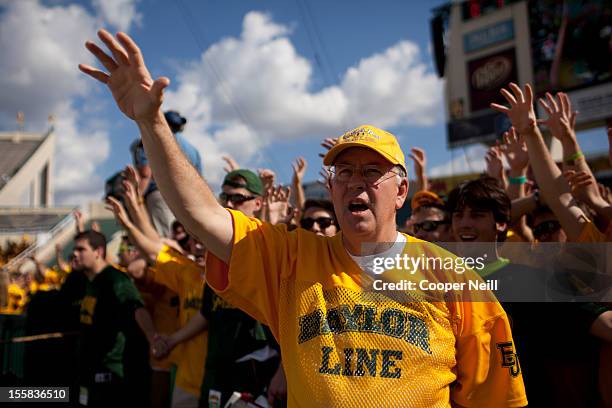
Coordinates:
(35, 246)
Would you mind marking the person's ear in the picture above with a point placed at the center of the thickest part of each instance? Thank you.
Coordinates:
(99, 253)
(258, 203)
(402, 193)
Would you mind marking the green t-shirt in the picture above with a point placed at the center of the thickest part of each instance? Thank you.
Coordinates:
(107, 313)
(232, 334)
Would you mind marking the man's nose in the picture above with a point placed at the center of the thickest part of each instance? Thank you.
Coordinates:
(460, 220)
(356, 180)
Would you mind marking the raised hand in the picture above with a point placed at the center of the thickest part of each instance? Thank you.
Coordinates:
(495, 165)
(328, 144)
(118, 210)
(131, 175)
(579, 181)
(325, 176)
(520, 112)
(79, 220)
(137, 95)
(420, 160)
(268, 178)
(561, 119)
(131, 195)
(231, 164)
(299, 169)
(515, 151)
(95, 226)
(277, 204)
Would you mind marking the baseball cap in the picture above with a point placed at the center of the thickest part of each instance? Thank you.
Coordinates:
(382, 142)
(422, 198)
(174, 119)
(253, 182)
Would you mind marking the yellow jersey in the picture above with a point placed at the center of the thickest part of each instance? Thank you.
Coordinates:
(343, 344)
(590, 234)
(163, 306)
(185, 278)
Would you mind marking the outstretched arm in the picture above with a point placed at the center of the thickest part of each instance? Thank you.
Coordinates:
(299, 169)
(515, 151)
(420, 162)
(147, 247)
(547, 174)
(196, 325)
(140, 97)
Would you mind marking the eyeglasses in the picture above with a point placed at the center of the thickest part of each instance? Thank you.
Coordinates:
(428, 226)
(546, 227)
(371, 173)
(235, 198)
(323, 222)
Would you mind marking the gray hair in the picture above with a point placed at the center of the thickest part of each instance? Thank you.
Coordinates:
(401, 174)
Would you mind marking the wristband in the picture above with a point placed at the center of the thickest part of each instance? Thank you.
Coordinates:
(517, 180)
(572, 159)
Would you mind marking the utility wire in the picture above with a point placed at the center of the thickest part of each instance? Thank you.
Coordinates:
(200, 39)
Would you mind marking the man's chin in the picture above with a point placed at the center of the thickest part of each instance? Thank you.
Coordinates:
(362, 228)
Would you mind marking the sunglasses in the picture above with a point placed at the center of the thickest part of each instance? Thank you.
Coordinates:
(323, 222)
(428, 226)
(235, 198)
(546, 227)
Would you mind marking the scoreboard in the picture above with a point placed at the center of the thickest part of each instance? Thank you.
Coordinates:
(556, 45)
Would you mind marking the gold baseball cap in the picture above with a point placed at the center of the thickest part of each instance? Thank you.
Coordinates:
(423, 197)
(382, 142)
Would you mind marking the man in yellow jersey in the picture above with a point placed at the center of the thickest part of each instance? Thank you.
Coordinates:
(341, 345)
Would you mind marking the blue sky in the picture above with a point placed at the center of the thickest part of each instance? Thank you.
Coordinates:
(263, 81)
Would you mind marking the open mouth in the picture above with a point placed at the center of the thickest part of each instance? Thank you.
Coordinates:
(357, 206)
(467, 237)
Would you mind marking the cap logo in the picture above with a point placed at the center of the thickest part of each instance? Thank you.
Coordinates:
(360, 135)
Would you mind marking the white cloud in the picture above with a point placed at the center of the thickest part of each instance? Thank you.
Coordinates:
(40, 47)
(257, 83)
(393, 88)
(239, 95)
(119, 13)
(78, 152)
(468, 160)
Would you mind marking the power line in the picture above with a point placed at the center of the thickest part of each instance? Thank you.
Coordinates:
(317, 32)
(322, 59)
(200, 38)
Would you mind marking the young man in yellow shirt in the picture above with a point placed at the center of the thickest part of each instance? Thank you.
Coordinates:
(185, 277)
(342, 343)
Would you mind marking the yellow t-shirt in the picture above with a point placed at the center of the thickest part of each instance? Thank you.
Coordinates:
(590, 233)
(163, 306)
(345, 346)
(158, 301)
(185, 278)
(517, 249)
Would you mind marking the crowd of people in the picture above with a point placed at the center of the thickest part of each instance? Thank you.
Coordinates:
(261, 296)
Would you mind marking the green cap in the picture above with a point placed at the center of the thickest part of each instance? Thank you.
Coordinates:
(253, 182)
